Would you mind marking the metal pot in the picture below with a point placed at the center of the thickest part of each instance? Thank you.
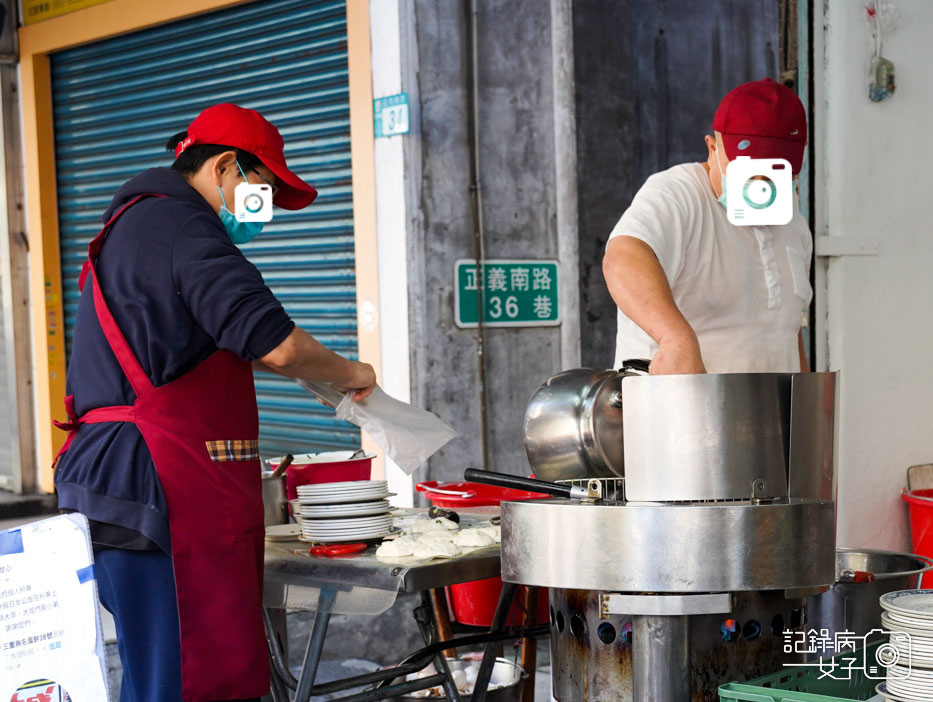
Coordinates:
(862, 577)
(507, 678)
(274, 504)
(573, 425)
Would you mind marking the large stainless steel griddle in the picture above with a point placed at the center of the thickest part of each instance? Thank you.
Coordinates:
(724, 516)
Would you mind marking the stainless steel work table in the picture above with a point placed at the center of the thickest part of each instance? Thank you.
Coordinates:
(362, 584)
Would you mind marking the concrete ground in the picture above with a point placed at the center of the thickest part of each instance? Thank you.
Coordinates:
(354, 645)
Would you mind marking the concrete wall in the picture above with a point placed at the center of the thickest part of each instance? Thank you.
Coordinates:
(875, 186)
(649, 77)
(516, 147)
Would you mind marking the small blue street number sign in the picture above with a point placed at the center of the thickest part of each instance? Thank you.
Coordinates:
(390, 115)
(515, 293)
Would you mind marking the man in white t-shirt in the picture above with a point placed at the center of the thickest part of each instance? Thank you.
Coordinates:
(695, 292)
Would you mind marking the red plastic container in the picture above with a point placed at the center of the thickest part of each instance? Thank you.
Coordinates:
(325, 472)
(456, 495)
(920, 503)
(474, 603)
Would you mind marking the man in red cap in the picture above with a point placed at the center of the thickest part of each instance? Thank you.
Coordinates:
(695, 292)
(162, 455)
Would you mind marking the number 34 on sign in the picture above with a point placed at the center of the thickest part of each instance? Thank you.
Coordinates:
(514, 293)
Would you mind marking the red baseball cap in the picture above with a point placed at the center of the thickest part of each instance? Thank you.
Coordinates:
(242, 128)
(763, 119)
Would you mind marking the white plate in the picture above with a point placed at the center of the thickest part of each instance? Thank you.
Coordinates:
(345, 532)
(909, 620)
(348, 510)
(913, 603)
(305, 529)
(882, 689)
(910, 689)
(351, 524)
(346, 499)
(363, 527)
(900, 671)
(321, 508)
(345, 485)
(343, 491)
(283, 532)
(926, 635)
(349, 521)
(913, 648)
(304, 459)
(368, 536)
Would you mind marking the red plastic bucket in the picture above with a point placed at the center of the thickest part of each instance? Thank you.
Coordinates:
(920, 504)
(474, 603)
(306, 473)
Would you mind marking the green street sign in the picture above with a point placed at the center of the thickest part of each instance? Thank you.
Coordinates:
(515, 293)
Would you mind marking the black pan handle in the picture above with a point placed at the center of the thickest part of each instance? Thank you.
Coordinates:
(636, 364)
(516, 482)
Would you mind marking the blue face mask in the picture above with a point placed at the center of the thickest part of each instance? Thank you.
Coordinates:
(722, 184)
(238, 231)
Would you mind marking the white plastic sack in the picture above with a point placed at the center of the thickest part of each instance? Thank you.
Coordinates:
(407, 434)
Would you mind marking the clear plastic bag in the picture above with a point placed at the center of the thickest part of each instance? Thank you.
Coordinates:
(407, 434)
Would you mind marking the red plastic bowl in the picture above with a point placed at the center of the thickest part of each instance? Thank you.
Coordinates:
(454, 495)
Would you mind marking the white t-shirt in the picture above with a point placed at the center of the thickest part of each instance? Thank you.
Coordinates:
(742, 289)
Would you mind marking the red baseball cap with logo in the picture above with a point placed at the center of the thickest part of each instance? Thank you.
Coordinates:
(763, 119)
(242, 128)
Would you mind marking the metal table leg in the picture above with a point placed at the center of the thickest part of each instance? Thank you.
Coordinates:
(429, 631)
(315, 645)
(489, 655)
(280, 678)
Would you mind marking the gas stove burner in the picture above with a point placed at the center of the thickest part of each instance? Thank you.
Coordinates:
(684, 571)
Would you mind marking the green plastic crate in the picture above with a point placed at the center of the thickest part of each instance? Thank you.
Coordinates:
(804, 684)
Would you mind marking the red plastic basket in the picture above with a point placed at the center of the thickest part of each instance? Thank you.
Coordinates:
(474, 603)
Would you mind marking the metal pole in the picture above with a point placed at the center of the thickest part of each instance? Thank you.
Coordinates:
(278, 658)
(476, 191)
(660, 659)
(499, 621)
(424, 615)
(315, 645)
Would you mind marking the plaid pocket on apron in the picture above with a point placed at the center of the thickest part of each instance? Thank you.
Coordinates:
(233, 450)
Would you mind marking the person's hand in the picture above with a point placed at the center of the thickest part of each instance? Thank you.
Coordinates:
(678, 356)
(362, 381)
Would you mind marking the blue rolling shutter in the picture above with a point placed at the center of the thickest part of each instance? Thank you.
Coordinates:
(117, 101)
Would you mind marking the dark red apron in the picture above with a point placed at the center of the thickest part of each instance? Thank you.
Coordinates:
(214, 506)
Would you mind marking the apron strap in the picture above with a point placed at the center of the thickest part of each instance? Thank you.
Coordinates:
(133, 370)
(117, 413)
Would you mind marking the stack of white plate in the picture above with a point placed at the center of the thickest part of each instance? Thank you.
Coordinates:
(908, 655)
(350, 511)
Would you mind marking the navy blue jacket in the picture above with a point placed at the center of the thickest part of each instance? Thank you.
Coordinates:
(179, 289)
